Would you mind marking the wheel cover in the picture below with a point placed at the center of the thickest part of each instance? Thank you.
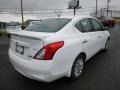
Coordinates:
(78, 68)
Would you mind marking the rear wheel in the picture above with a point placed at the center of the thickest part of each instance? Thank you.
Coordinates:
(112, 25)
(77, 68)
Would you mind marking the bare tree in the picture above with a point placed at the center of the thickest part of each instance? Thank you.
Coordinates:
(58, 13)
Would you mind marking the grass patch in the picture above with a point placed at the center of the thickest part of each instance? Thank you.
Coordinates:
(2, 33)
(116, 18)
(118, 21)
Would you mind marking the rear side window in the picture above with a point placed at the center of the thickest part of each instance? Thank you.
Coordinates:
(86, 25)
(96, 25)
(49, 25)
(79, 26)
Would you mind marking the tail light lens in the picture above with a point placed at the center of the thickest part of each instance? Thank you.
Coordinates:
(48, 51)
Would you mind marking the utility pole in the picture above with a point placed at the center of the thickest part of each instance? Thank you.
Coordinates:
(108, 1)
(111, 13)
(74, 10)
(101, 12)
(21, 2)
(74, 4)
(96, 8)
(76, 7)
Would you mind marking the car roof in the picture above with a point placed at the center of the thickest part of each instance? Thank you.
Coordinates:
(73, 17)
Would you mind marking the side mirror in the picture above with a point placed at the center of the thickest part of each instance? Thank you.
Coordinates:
(106, 28)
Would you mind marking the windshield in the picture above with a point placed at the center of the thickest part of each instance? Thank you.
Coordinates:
(49, 25)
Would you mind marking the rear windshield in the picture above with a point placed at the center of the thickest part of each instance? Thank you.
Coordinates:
(49, 25)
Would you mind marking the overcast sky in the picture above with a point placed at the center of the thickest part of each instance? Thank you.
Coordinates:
(38, 5)
(45, 4)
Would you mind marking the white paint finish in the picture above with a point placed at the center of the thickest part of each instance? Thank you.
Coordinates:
(63, 59)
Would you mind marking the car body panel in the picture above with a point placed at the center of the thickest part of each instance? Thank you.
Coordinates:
(63, 59)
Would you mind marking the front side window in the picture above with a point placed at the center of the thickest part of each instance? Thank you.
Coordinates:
(86, 25)
(96, 25)
(49, 25)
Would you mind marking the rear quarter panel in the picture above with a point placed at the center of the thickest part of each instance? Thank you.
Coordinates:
(65, 56)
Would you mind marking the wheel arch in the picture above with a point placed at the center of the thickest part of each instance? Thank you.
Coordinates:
(83, 54)
(108, 38)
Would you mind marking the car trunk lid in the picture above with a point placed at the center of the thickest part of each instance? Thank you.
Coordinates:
(26, 44)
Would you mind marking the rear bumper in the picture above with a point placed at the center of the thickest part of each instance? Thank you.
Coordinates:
(34, 69)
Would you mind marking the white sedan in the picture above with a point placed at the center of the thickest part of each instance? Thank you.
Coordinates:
(57, 47)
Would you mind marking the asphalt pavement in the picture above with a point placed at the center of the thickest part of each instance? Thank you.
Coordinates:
(102, 72)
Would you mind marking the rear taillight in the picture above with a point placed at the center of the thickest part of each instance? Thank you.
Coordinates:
(48, 51)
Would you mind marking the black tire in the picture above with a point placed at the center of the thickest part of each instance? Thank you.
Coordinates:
(106, 45)
(111, 25)
(77, 68)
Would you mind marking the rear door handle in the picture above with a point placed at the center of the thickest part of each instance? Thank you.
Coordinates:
(85, 41)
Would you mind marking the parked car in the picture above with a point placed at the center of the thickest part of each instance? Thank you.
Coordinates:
(109, 22)
(34, 22)
(29, 22)
(57, 47)
(11, 29)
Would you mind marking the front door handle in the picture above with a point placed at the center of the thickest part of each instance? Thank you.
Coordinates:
(85, 41)
(99, 36)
